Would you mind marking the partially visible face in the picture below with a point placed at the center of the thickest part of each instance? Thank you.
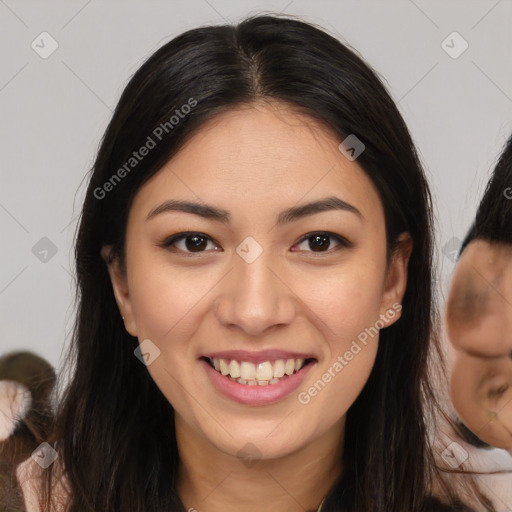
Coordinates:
(252, 284)
(479, 326)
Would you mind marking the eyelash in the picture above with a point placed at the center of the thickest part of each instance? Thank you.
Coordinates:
(343, 242)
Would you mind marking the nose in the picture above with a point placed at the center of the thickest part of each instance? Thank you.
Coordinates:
(256, 297)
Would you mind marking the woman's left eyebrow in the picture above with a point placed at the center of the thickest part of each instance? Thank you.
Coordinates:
(289, 215)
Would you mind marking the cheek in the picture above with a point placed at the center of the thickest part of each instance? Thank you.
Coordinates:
(166, 301)
(339, 380)
(460, 391)
(347, 301)
(463, 390)
(347, 306)
(166, 304)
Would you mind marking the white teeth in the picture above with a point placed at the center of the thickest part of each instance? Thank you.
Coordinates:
(247, 370)
(260, 374)
(264, 371)
(223, 367)
(289, 367)
(234, 369)
(279, 368)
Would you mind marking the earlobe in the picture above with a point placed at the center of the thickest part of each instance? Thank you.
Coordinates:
(120, 288)
(396, 280)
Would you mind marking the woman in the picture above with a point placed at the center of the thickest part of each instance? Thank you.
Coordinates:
(254, 270)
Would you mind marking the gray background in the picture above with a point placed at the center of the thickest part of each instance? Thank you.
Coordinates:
(54, 112)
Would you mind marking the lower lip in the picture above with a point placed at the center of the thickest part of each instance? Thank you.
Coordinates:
(256, 395)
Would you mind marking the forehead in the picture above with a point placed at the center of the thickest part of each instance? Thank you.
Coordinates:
(262, 155)
(270, 139)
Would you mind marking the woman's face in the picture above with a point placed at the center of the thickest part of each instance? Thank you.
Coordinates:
(250, 287)
(479, 325)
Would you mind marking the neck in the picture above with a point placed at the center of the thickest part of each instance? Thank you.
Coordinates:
(210, 480)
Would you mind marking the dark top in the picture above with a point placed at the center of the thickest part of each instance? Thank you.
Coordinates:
(344, 498)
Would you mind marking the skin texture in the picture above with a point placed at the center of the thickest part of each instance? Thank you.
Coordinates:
(479, 326)
(255, 162)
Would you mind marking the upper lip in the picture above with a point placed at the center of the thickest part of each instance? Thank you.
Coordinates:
(258, 357)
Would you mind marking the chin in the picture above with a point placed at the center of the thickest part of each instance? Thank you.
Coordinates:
(254, 445)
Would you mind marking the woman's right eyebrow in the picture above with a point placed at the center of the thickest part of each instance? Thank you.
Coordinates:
(289, 215)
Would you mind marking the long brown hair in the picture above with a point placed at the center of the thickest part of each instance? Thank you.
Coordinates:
(114, 429)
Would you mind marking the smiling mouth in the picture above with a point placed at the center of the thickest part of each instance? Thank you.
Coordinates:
(260, 374)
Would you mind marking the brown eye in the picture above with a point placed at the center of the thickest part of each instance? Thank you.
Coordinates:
(192, 242)
(321, 241)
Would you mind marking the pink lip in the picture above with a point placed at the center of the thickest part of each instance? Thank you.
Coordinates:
(255, 395)
(258, 357)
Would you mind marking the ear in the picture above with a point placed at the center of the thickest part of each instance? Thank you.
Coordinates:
(119, 282)
(396, 281)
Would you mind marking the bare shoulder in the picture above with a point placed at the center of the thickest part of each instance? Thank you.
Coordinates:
(29, 474)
